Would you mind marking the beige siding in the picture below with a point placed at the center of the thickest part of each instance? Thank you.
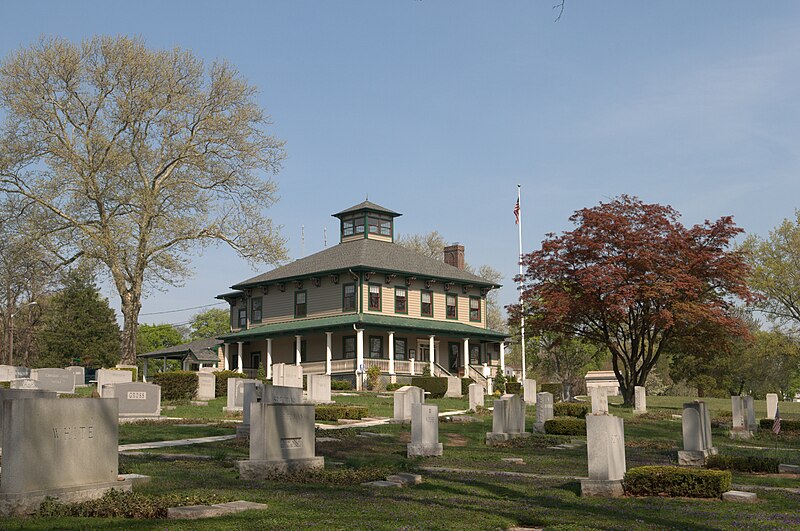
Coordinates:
(322, 301)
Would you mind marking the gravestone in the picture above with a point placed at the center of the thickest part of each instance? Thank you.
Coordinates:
(80, 375)
(750, 414)
(706, 416)
(640, 400)
(599, 397)
(206, 386)
(284, 375)
(66, 449)
(605, 442)
(453, 387)
(475, 396)
(696, 426)
(404, 398)
(739, 423)
(508, 420)
(281, 441)
(544, 410)
(236, 394)
(10, 394)
(276, 394)
(319, 388)
(136, 399)
(424, 432)
(24, 383)
(252, 393)
(529, 391)
(772, 405)
(112, 376)
(58, 380)
(10, 372)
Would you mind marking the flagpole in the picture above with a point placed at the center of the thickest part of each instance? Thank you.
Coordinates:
(522, 313)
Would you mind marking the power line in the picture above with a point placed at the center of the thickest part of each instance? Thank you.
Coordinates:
(184, 309)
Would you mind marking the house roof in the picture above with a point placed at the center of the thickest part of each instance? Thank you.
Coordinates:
(201, 349)
(369, 254)
(367, 205)
(426, 326)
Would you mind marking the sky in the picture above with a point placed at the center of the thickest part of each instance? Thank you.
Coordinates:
(438, 109)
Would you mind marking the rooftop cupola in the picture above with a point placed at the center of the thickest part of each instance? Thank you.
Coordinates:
(366, 220)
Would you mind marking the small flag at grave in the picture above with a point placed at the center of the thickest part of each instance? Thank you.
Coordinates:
(776, 424)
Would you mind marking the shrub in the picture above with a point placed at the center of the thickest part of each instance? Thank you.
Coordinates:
(222, 381)
(499, 382)
(676, 481)
(786, 425)
(571, 409)
(177, 385)
(437, 387)
(118, 504)
(743, 463)
(340, 412)
(565, 426)
(552, 388)
(373, 377)
(514, 388)
(465, 383)
(341, 385)
(393, 386)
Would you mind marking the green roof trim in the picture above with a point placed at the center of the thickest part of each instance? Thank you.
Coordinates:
(422, 326)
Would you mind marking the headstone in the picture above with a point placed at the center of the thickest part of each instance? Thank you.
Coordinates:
(253, 393)
(236, 394)
(24, 383)
(285, 375)
(276, 394)
(529, 391)
(544, 410)
(111, 376)
(206, 386)
(453, 387)
(599, 396)
(404, 398)
(136, 399)
(58, 380)
(319, 388)
(739, 423)
(281, 440)
(424, 432)
(706, 416)
(772, 405)
(10, 372)
(80, 375)
(133, 369)
(475, 396)
(696, 425)
(640, 400)
(750, 414)
(605, 442)
(10, 394)
(66, 449)
(508, 420)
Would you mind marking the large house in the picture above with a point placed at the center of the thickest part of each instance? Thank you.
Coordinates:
(365, 302)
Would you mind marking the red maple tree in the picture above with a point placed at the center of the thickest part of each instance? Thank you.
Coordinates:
(632, 278)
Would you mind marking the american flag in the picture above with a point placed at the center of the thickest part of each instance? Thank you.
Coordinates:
(516, 211)
(776, 424)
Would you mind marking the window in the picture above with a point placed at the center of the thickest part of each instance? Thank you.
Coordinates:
(451, 305)
(359, 224)
(348, 297)
(474, 308)
(386, 227)
(255, 309)
(380, 225)
(474, 354)
(349, 347)
(242, 317)
(400, 300)
(375, 346)
(347, 227)
(400, 348)
(374, 224)
(426, 303)
(375, 297)
(300, 306)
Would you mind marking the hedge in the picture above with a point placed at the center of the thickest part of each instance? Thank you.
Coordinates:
(552, 388)
(341, 385)
(465, 383)
(222, 381)
(340, 412)
(743, 464)
(786, 425)
(676, 482)
(437, 387)
(177, 385)
(565, 426)
(513, 388)
(393, 386)
(571, 409)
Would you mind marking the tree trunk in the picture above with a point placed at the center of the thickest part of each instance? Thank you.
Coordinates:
(131, 306)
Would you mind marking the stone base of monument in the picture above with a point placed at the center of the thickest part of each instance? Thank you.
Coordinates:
(231, 410)
(135, 479)
(199, 403)
(252, 469)
(424, 450)
(692, 458)
(602, 488)
(22, 503)
(739, 434)
(493, 437)
(400, 421)
(243, 431)
(739, 496)
(194, 512)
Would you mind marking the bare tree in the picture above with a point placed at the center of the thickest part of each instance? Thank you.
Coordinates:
(139, 157)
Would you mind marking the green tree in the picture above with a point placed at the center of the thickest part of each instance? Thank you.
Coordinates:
(154, 337)
(138, 157)
(566, 359)
(79, 327)
(210, 323)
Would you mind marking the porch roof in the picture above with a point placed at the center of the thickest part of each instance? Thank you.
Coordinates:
(422, 326)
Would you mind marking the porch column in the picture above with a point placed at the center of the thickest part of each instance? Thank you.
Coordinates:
(239, 359)
(503, 357)
(227, 362)
(391, 353)
(432, 356)
(466, 357)
(328, 352)
(297, 346)
(269, 358)
(359, 356)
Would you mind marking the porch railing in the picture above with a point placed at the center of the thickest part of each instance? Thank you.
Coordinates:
(314, 367)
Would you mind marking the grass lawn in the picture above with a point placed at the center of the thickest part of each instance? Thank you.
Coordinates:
(471, 498)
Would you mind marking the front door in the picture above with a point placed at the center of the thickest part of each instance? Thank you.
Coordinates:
(454, 353)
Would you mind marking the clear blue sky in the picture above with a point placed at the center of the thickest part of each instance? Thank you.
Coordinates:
(437, 109)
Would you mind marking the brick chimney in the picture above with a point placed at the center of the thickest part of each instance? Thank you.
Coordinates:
(454, 255)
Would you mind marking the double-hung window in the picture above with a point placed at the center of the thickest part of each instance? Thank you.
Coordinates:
(451, 306)
(349, 347)
(256, 309)
(242, 317)
(400, 300)
(348, 297)
(426, 303)
(474, 308)
(375, 297)
(400, 352)
(375, 346)
(300, 305)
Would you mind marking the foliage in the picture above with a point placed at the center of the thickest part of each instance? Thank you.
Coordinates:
(630, 277)
(499, 383)
(567, 358)
(156, 337)
(326, 412)
(431, 244)
(676, 481)
(514, 388)
(571, 409)
(437, 387)
(565, 426)
(465, 383)
(78, 324)
(221, 381)
(393, 386)
(788, 425)
(554, 389)
(118, 504)
(177, 385)
(426, 370)
(341, 385)
(210, 323)
(373, 377)
(336, 477)
(747, 464)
